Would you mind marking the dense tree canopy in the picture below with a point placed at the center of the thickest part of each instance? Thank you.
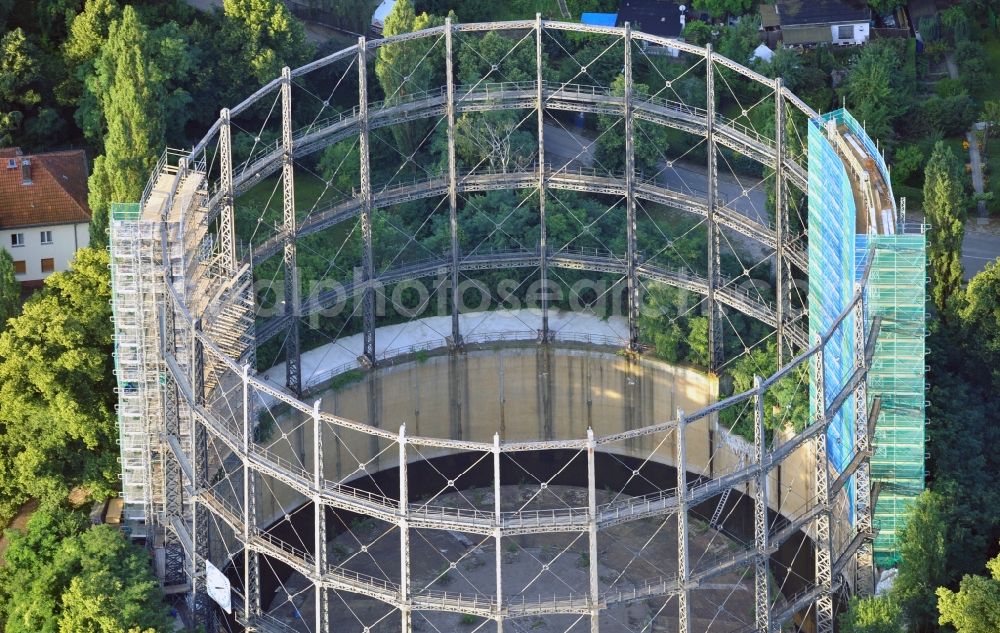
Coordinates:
(875, 88)
(61, 577)
(719, 8)
(975, 607)
(945, 210)
(408, 68)
(57, 427)
(267, 36)
(131, 93)
(980, 316)
(19, 72)
(10, 290)
(876, 614)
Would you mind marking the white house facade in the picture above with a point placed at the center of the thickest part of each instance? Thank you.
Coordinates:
(44, 217)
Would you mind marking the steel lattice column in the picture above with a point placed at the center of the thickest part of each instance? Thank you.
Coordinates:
(405, 612)
(227, 239)
(595, 587)
(683, 566)
(456, 334)
(293, 358)
(251, 560)
(368, 258)
(823, 605)
(714, 311)
(497, 517)
(631, 254)
(865, 581)
(319, 525)
(543, 257)
(173, 486)
(762, 600)
(780, 219)
(200, 532)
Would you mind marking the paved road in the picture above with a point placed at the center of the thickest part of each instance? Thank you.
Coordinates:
(316, 33)
(981, 245)
(574, 146)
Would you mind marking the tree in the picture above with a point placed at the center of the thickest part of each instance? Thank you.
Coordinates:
(62, 577)
(923, 549)
(493, 140)
(877, 614)
(885, 7)
(18, 74)
(945, 210)
(786, 404)
(131, 93)
(991, 115)
(980, 315)
(719, 8)
(10, 290)
(266, 36)
(975, 607)
(407, 68)
(650, 140)
(907, 160)
(875, 89)
(57, 423)
(88, 32)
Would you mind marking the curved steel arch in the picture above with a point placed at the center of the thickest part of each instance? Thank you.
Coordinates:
(210, 336)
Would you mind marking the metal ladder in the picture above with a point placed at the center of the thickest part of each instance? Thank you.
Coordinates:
(714, 521)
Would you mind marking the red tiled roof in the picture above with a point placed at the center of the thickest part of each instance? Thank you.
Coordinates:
(57, 193)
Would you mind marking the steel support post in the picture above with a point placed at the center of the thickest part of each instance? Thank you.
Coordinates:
(595, 587)
(368, 257)
(293, 358)
(823, 605)
(227, 239)
(865, 581)
(173, 486)
(780, 219)
(319, 524)
(251, 562)
(630, 229)
(714, 311)
(497, 518)
(404, 538)
(762, 599)
(543, 256)
(199, 520)
(456, 300)
(683, 563)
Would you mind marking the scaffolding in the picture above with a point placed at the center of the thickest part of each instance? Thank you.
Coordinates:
(896, 294)
(135, 293)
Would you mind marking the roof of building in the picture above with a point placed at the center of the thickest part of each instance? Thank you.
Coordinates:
(656, 17)
(57, 193)
(769, 16)
(801, 12)
(806, 35)
(383, 10)
(599, 19)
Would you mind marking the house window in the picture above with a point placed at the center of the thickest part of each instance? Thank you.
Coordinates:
(19, 267)
(48, 265)
(46, 237)
(845, 32)
(17, 239)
